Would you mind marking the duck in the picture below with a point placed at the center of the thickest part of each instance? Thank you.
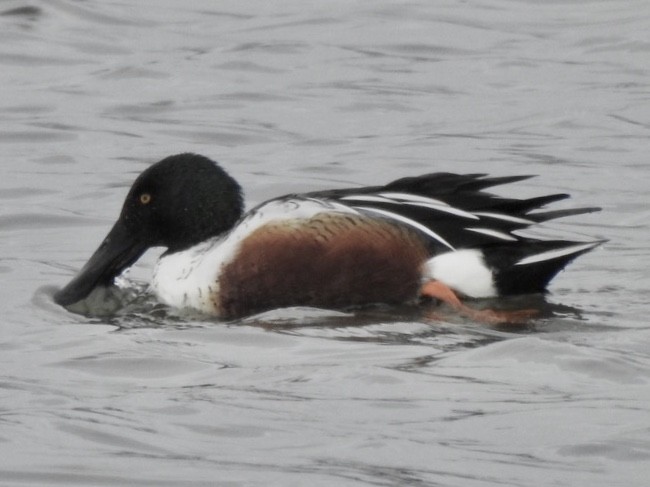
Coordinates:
(438, 236)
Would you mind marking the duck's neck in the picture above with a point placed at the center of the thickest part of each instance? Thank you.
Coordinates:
(217, 212)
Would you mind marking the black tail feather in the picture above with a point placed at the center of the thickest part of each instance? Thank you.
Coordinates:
(533, 276)
(523, 207)
(552, 215)
(483, 182)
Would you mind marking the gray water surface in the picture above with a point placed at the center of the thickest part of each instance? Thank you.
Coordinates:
(294, 96)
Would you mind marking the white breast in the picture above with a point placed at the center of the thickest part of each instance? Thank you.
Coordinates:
(182, 281)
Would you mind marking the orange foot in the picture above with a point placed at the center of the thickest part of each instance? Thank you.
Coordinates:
(442, 292)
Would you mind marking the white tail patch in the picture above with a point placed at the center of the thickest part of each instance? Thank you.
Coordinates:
(555, 254)
(493, 233)
(409, 222)
(464, 271)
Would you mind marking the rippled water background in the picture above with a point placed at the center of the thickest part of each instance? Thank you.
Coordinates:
(299, 95)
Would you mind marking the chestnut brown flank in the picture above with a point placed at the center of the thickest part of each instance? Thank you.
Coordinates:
(329, 261)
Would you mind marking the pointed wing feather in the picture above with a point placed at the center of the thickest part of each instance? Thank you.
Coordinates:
(452, 207)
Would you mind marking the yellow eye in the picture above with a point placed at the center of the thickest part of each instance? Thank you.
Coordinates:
(145, 198)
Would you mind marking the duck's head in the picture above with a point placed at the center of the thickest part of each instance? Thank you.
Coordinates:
(176, 203)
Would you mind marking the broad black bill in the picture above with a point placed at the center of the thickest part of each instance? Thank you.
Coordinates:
(119, 250)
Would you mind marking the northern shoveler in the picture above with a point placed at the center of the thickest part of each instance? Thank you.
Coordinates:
(438, 235)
